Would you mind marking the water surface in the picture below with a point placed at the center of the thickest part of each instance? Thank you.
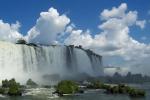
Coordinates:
(89, 95)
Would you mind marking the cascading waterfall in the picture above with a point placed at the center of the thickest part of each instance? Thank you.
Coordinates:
(51, 62)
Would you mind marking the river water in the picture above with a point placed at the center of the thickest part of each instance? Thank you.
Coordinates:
(45, 94)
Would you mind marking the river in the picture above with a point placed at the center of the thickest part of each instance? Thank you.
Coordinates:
(45, 94)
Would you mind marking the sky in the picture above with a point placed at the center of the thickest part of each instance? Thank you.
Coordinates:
(116, 29)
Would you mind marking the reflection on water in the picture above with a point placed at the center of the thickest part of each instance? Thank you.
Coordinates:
(89, 95)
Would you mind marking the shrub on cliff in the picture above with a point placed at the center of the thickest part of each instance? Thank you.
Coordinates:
(21, 41)
(67, 87)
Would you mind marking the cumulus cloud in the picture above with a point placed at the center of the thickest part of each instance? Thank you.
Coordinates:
(141, 23)
(47, 27)
(115, 33)
(114, 12)
(114, 40)
(78, 37)
(9, 32)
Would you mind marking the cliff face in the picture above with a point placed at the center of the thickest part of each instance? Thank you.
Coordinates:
(24, 61)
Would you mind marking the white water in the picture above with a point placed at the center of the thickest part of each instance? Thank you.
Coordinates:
(41, 92)
(23, 62)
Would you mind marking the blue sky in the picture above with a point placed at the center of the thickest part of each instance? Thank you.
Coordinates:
(83, 13)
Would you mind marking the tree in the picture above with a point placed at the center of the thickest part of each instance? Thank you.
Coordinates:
(67, 87)
(12, 86)
(5, 83)
(30, 82)
(14, 90)
(2, 90)
(95, 85)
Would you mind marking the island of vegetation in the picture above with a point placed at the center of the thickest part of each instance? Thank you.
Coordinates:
(13, 88)
(67, 87)
(10, 87)
(71, 87)
(117, 89)
(31, 83)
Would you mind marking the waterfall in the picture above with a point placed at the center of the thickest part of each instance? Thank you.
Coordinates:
(51, 62)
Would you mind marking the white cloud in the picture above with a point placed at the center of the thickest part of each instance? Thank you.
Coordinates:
(47, 27)
(70, 28)
(114, 40)
(114, 12)
(115, 33)
(78, 37)
(141, 23)
(9, 32)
